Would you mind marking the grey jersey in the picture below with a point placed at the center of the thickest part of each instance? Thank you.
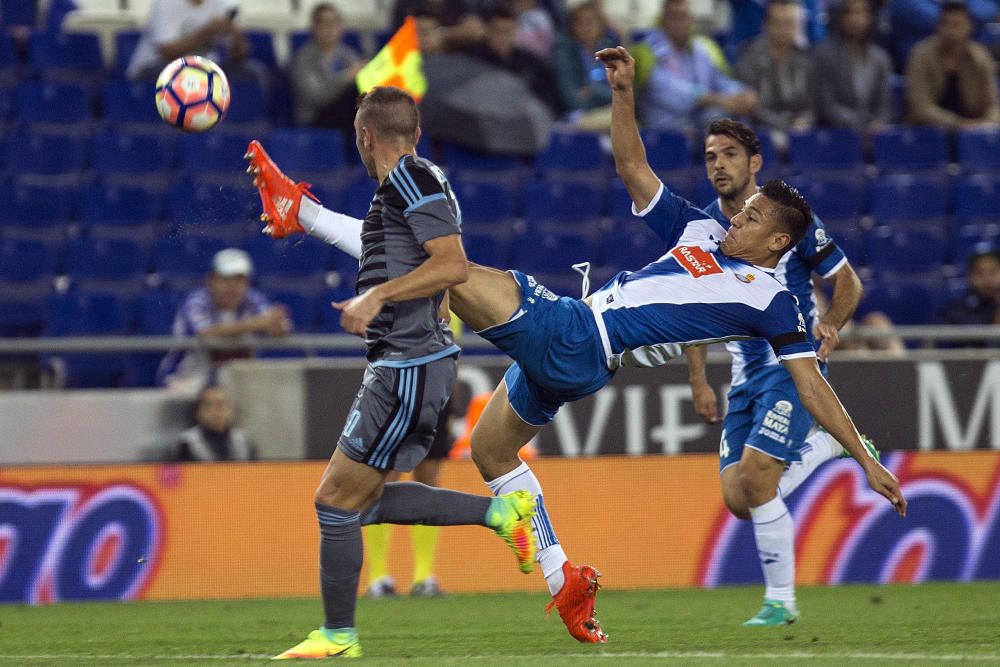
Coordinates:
(413, 205)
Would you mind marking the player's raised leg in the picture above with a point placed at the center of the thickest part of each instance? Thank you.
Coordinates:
(818, 448)
(498, 436)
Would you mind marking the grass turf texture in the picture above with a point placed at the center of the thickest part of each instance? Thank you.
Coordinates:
(924, 624)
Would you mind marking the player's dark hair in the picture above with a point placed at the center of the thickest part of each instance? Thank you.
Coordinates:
(949, 6)
(322, 7)
(737, 131)
(792, 210)
(389, 112)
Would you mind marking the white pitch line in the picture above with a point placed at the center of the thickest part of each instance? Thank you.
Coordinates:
(677, 655)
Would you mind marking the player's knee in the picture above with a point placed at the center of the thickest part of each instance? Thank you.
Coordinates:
(735, 501)
(756, 490)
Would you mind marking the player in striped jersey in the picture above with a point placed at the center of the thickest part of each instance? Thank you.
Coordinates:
(764, 454)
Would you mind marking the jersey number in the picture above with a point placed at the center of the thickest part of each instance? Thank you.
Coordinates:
(723, 446)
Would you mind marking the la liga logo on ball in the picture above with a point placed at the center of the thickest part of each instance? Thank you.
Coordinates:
(192, 94)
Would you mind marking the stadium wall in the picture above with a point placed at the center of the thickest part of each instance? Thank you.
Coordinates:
(247, 530)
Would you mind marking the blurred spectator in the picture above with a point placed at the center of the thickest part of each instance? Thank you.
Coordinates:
(499, 49)
(685, 85)
(951, 80)
(581, 79)
(779, 70)
(323, 72)
(227, 307)
(189, 27)
(981, 302)
(213, 436)
(459, 24)
(536, 31)
(889, 343)
(852, 73)
(914, 20)
(748, 19)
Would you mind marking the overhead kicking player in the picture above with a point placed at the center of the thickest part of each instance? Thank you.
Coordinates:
(411, 252)
(713, 285)
(764, 452)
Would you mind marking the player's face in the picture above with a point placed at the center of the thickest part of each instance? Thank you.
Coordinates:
(753, 234)
(215, 411)
(984, 277)
(362, 137)
(228, 292)
(727, 165)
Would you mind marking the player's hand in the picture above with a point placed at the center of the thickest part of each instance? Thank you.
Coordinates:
(829, 338)
(705, 402)
(886, 484)
(619, 67)
(357, 313)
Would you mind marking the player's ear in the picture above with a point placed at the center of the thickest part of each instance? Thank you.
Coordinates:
(779, 241)
(416, 137)
(756, 162)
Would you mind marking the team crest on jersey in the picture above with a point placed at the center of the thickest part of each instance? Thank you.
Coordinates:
(695, 261)
(783, 408)
(748, 278)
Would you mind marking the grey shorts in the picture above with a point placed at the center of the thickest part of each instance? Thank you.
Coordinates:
(395, 414)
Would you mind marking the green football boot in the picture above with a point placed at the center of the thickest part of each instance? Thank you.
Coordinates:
(774, 613)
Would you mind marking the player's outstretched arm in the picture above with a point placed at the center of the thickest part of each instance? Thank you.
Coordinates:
(626, 144)
(823, 404)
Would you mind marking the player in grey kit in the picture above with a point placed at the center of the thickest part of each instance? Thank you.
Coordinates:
(411, 253)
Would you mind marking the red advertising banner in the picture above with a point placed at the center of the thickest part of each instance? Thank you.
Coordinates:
(249, 530)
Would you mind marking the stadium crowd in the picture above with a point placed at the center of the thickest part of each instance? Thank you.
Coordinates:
(885, 115)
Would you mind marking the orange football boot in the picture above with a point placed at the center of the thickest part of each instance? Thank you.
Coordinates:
(279, 195)
(575, 604)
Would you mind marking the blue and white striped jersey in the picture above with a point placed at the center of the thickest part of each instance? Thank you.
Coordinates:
(694, 294)
(815, 252)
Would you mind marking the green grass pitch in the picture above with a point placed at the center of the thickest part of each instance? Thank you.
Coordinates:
(925, 624)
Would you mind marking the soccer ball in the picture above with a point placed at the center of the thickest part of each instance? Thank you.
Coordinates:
(192, 93)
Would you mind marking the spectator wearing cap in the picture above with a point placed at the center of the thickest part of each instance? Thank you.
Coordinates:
(981, 302)
(227, 308)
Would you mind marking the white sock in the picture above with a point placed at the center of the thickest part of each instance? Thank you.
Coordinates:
(550, 555)
(331, 227)
(819, 448)
(775, 536)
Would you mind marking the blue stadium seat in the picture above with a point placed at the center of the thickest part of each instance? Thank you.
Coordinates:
(849, 237)
(904, 301)
(978, 149)
(977, 197)
(572, 152)
(218, 152)
(357, 197)
(10, 63)
(306, 149)
(302, 308)
(912, 249)
(295, 256)
(68, 52)
(105, 259)
(485, 202)
(204, 204)
(262, 47)
(329, 318)
(130, 103)
(125, 43)
(247, 104)
(53, 103)
(631, 247)
(351, 38)
(772, 160)
(84, 313)
(552, 252)
(32, 205)
(119, 205)
(486, 248)
(826, 148)
(835, 196)
(905, 197)
(26, 260)
(155, 310)
(911, 149)
(35, 153)
(6, 106)
(667, 150)
(189, 256)
(576, 202)
(21, 316)
(118, 152)
(620, 203)
(975, 237)
(461, 159)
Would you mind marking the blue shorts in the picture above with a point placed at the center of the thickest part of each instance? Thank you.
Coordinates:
(765, 413)
(556, 348)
